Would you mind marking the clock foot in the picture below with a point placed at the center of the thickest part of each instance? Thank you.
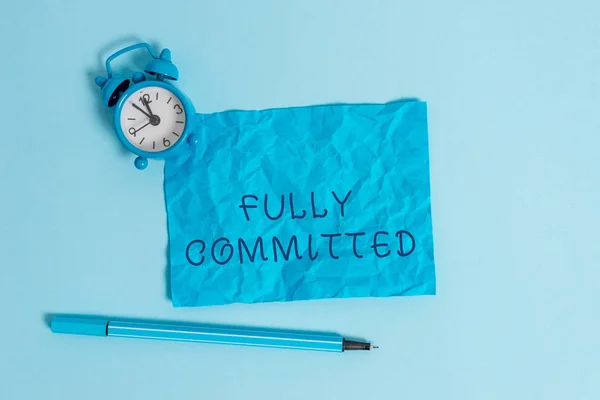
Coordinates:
(193, 140)
(141, 163)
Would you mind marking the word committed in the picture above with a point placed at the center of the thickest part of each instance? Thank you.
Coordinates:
(331, 245)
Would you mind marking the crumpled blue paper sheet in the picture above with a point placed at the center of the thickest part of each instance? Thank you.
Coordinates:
(329, 201)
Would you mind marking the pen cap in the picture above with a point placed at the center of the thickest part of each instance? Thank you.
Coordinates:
(79, 326)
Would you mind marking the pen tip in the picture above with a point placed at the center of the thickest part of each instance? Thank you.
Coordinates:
(374, 347)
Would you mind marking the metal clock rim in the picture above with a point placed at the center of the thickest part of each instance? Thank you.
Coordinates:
(188, 107)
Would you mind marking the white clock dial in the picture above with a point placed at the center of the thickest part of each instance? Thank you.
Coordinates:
(153, 119)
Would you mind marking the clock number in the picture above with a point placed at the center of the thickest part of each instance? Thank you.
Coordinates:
(132, 131)
(145, 99)
(166, 142)
(177, 106)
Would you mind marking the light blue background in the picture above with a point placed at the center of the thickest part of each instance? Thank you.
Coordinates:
(513, 90)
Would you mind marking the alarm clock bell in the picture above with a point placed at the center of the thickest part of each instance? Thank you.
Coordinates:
(112, 88)
(162, 67)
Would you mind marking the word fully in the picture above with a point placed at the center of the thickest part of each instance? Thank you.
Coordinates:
(285, 204)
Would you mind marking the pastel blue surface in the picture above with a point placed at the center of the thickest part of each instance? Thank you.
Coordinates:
(302, 203)
(512, 90)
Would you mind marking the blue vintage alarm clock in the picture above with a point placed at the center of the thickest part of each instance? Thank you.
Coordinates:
(153, 119)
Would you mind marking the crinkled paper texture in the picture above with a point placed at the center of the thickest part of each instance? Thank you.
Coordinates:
(377, 154)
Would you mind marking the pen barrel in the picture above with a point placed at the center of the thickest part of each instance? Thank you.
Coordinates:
(230, 336)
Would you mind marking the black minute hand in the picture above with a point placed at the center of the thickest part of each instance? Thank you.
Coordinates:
(145, 113)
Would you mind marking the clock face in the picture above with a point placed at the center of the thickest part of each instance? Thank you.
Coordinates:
(153, 119)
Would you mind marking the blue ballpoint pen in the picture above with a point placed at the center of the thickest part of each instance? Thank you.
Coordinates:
(245, 336)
